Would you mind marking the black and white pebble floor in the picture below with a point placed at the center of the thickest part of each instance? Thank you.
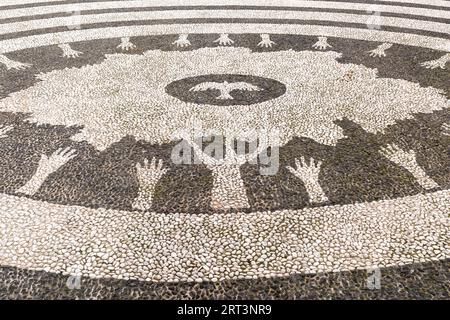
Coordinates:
(333, 126)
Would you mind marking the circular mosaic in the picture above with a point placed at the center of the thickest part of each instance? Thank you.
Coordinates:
(248, 143)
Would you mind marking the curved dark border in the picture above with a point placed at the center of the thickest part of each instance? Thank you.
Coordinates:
(417, 281)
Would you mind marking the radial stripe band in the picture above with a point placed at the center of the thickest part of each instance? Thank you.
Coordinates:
(313, 30)
(71, 8)
(11, 28)
(411, 3)
(79, 16)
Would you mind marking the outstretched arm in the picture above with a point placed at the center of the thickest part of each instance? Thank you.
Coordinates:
(47, 165)
(438, 63)
(148, 176)
(407, 160)
(11, 64)
(309, 174)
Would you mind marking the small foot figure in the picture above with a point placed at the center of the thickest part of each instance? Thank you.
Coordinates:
(182, 41)
(380, 50)
(438, 63)
(224, 40)
(68, 52)
(322, 44)
(125, 44)
(265, 41)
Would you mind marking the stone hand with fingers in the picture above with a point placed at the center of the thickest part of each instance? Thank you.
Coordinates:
(55, 161)
(322, 44)
(265, 41)
(126, 44)
(11, 64)
(224, 40)
(68, 52)
(438, 63)
(309, 174)
(182, 41)
(380, 50)
(407, 160)
(148, 176)
(47, 165)
(4, 130)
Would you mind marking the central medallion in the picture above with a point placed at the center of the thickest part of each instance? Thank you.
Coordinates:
(226, 89)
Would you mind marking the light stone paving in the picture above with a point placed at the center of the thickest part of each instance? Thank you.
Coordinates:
(184, 247)
(68, 8)
(126, 95)
(317, 94)
(21, 26)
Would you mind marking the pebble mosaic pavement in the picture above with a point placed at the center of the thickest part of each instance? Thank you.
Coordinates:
(333, 125)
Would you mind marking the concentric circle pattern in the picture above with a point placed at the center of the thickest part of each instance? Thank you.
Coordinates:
(194, 149)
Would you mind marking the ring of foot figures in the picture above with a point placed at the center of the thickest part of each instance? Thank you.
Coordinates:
(221, 143)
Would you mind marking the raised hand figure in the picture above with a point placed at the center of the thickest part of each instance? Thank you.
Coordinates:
(407, 160)
(125, 44)
(309, 174)
(47, 165)
(182, 41)
(265, 41)
(438, 63)
(322, 44)
(11, 64)
(4, 131)
(224, 40)
(380, 50)
(148, 176)
(228, 190)
(68, 52)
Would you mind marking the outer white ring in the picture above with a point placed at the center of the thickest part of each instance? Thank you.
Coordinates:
(183, 247)
(56, 238)
(311, 30)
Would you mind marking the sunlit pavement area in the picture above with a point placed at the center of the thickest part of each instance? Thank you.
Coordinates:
(221, 150)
